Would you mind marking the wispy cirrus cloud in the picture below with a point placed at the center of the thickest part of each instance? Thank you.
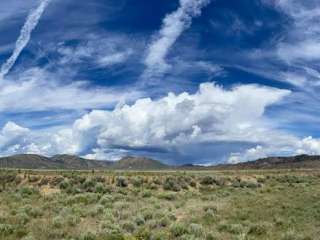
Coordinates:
(20, 93)
(25, 35)
(173, 25)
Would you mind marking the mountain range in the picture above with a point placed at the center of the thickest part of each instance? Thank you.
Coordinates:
(32, 161)
(72, 162)
(293, 162)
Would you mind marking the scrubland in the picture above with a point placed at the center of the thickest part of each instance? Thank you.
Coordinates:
(239, 205)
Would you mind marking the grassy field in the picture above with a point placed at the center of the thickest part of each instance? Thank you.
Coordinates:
(41, 205)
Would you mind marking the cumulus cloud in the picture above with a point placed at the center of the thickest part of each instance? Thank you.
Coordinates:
(211, 114)
(170, 124)
(11, 132)
(211, 117)
(282, 144)
(173, 26)
(13, 137)
(309, 145)
(25, 35)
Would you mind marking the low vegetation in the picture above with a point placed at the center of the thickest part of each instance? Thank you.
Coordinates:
(98, 205)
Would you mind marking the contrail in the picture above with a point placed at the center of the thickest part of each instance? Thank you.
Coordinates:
(174, 24)
(25, 34)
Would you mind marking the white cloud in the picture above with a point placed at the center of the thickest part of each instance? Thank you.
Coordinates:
(212, 115)
(25, 34)
(38, 90)
(12, 138)
(115, 58)
(97, 50)
(172, 27)
(300, 45)
(10, 132)
(309, 145)
(307, 50)
(292, 55)
(281, 144)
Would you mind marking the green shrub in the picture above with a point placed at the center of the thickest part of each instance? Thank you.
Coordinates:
(168, 196)
(57, 222)
(258, 229)
(193, 184)
(35, 212)
(171, 184)
(184, 185)
(213, 236)
(106, 200)
(231, 228)
(6, 229)
(139, 220)
(99, 188)
(251, 184)
(143, 233)
(28, 191)
(147, 214)
(178, 229)
(20, 232)
(156, 181)
(72, 220)
(121, 205)
(8, 177)
(164, 222)
(210, 208)
(152, 186)
(292, 235)
(236, 183)
(146, 194)
(196, 230)
(44, 181)
(96, 210)
(64, 184)
(76, 179)
(99, 179)
(28, 237)
(89, 185)
(159, 235)
(128, 226)
(55, 181)
(84, 198)
(113, 236)
(207, 180)
(22, 218)
(88, 236)
(137, 181)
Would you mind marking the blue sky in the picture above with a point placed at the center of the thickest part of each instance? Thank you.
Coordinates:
(189, 81)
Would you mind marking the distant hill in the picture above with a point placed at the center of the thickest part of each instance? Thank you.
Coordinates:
(28, 161)
(139, 163)
(31, 161)
(75, 162)
(295, 162)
